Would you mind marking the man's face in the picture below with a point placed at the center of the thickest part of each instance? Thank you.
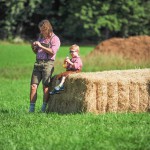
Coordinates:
(44, 32)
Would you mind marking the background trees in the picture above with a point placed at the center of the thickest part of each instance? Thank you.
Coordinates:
(78, 21)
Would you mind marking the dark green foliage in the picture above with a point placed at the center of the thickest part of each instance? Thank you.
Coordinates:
(78, 21)
(108, 18)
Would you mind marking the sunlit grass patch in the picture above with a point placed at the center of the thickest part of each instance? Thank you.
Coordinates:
(110, 62)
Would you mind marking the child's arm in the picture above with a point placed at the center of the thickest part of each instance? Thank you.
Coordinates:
(70, 62)
(76, 65)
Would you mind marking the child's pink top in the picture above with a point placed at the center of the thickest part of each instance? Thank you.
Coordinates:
(77, 63)
(54, 44)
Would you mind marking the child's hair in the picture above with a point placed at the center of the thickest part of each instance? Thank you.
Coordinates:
(46, 26)
(75, 47)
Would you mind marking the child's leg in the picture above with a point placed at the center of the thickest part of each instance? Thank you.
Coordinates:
(58, 82)
(62, 81)
(59, 86)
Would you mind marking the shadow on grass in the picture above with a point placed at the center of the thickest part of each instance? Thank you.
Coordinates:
(149, 95)
(4, 111)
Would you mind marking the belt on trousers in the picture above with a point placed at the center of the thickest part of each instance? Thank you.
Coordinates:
(44, 60)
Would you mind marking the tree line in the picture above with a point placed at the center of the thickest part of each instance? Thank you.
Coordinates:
(75, 20)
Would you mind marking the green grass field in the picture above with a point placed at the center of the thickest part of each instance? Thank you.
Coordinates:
(22, 130)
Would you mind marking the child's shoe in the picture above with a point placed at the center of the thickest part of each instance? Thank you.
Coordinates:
(61, 88)
(56, 90)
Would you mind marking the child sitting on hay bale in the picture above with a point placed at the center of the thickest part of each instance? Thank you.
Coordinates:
(73, 65)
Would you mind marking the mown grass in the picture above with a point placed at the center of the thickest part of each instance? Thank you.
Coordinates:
(22, 130)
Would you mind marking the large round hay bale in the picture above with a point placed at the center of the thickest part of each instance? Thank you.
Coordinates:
(136, 48)
(101, 92)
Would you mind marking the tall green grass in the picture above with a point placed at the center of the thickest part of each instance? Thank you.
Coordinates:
(16, 61)
(22, 130)
(111, 62)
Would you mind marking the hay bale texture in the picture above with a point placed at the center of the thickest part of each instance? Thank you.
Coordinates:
(101, 92)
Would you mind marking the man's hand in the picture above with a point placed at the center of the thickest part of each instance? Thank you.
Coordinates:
(46, 49)
(37, 43)
(34, 47)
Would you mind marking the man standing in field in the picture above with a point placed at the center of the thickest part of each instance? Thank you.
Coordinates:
(45, 49)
